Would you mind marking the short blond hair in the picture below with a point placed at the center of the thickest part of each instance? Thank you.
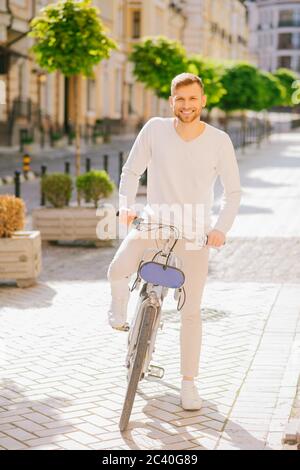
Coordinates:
(184, 79)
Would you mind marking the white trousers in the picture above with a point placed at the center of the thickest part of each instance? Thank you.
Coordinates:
(195, 267)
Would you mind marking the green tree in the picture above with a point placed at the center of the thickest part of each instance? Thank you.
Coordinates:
(271, 92)
(287, 79)
(210, 72)
(157, 60)
(242, 84)
(71, 38)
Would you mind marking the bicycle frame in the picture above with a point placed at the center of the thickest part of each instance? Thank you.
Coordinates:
(154, 295)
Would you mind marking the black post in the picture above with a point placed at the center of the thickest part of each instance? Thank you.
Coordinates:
(87, 165)
(17, 184)
(120, 165)
(43, 172)
(67, 168)
(105, 163)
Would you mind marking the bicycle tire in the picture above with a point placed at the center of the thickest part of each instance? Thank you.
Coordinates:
(141, 350)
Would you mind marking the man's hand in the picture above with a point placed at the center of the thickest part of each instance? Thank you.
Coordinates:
(126, 216)
(216, 238)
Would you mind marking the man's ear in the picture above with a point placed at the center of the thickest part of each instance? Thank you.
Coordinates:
(171, 101)
(204, 100)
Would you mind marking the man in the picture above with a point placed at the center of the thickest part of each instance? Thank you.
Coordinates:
(183, 156)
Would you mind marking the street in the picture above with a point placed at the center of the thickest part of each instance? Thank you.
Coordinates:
(65, 382)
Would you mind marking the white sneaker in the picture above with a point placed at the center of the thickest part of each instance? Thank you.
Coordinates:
(117, 315)
(190, 399)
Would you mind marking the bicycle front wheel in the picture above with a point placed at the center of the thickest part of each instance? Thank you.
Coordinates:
(137, 368)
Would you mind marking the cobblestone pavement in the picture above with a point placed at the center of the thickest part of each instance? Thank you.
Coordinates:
(63, 383)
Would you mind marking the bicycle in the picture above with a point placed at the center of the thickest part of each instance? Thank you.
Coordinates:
(158, 276)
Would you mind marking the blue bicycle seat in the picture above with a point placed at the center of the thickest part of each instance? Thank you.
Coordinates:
(162, 275)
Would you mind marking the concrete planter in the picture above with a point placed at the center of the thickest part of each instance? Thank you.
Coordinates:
(60, 143)
(20, 258)
(75, 224)
(98, 140)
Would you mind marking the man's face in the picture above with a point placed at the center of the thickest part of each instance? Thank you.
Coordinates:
(187, 102)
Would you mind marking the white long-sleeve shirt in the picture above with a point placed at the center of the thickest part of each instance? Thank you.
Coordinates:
(182, 174)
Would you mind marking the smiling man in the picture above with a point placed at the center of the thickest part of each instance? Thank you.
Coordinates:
(183, 156)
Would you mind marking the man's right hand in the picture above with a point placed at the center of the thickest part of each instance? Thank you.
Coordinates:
(126, 216)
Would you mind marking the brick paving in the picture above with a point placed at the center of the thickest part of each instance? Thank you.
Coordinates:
(63, 380)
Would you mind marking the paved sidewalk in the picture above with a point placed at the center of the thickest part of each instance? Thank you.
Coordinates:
(63, 382)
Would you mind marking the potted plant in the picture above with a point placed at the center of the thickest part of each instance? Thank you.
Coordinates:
(20, 251)
(94, 185)
(64, 221)
(57, 139)
(27, 143)
(98, 137)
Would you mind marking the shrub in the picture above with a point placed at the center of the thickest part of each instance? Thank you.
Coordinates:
(55, 136)
(57, 189)
(27, 140)
(12, 215)
(94, 185)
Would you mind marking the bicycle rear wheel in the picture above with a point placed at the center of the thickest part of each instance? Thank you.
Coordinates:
(137, 368)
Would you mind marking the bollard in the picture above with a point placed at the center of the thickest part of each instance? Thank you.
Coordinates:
(26, 163)
(121, 154)
(43, 173)
(17, 183)
(87, 165)
(67, 168)
(105, 163)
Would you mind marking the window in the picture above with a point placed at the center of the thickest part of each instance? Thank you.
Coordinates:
(286, 18)
(91, 95)
(136, 24)
(284, 61)
(296, 41)
(285, 41)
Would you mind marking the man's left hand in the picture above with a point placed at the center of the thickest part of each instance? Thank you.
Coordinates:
(216, 238)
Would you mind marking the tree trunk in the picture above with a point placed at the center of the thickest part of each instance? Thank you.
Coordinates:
(77, 129)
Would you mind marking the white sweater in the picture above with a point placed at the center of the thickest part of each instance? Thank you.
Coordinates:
(182, 173)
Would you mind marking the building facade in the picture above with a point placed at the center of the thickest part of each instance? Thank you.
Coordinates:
(37, 100)
(217, 30)
(275, 33)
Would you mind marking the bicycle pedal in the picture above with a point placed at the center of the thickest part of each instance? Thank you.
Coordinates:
(156, 371)
(124, 328)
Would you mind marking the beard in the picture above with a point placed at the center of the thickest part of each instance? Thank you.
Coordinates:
(194, 116)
